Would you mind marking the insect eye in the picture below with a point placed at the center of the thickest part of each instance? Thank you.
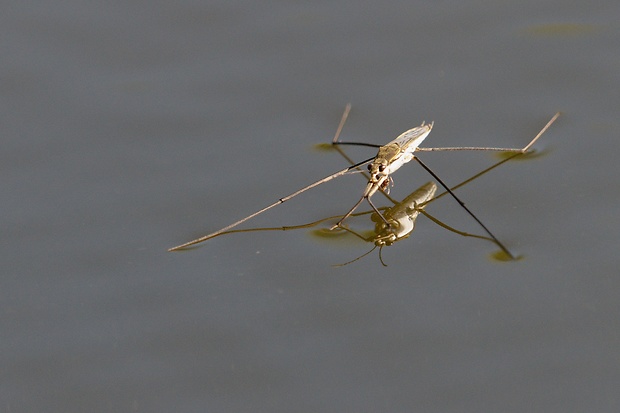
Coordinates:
(381, 168)
(369, 167)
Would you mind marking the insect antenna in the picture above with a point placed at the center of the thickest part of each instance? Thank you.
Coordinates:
(381, 256)
(359, 258)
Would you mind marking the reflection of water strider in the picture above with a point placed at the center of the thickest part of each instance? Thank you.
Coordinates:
(397, 222)
(390, 157)
(401, 217)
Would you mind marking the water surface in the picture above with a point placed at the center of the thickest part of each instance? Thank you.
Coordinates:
(130, 128)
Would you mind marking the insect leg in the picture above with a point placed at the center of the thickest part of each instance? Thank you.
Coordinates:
(346, 171)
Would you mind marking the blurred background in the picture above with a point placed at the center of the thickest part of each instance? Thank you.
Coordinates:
(131, 127)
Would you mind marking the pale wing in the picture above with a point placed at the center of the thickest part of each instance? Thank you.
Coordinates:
(409, 141)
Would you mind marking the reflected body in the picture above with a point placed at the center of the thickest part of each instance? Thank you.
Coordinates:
(401, 217)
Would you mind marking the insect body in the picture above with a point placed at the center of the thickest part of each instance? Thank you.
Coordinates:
(389, 159)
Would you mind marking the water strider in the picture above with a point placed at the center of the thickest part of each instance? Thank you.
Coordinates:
(389, 159)
(401, 218)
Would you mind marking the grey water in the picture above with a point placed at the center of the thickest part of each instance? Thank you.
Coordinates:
(128, 128)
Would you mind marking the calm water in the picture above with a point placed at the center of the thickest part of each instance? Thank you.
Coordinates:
(130, 128)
